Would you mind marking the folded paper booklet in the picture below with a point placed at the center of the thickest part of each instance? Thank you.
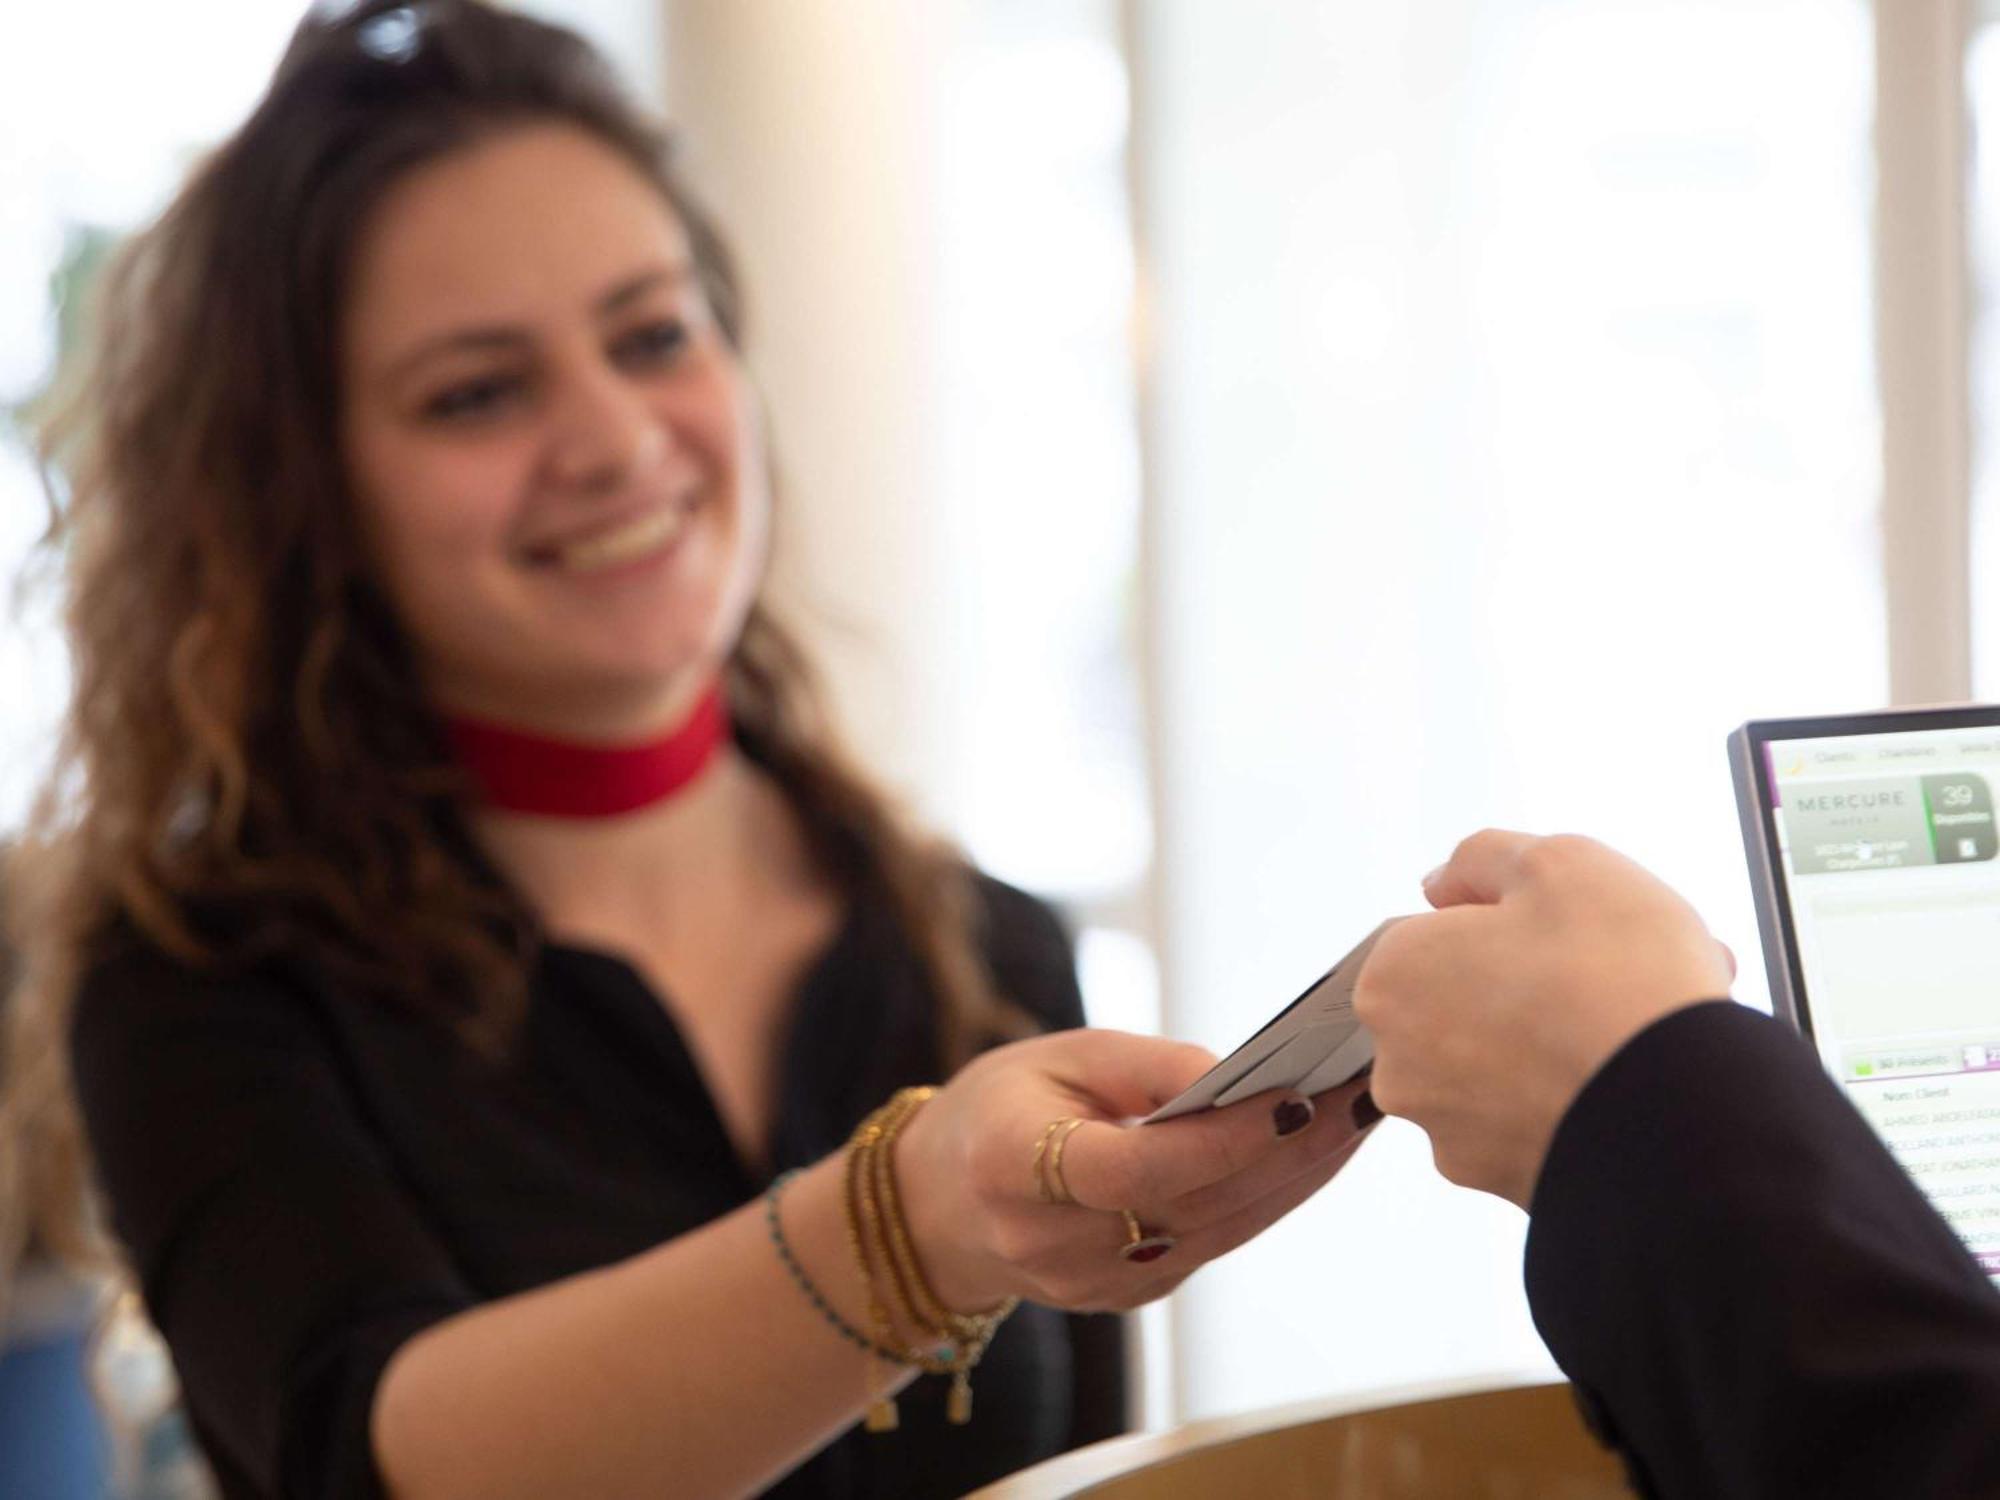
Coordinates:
(1312, 1045)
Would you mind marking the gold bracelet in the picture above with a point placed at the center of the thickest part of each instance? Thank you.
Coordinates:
(963, 1337)
(888, 1239)
(881, 1404)
(926, 1308)
(868, 1244)
(918, 1303)
(887, 1261)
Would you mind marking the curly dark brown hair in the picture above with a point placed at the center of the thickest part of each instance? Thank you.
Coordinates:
(249, 763)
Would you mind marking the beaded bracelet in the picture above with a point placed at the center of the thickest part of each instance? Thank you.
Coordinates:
(804, 1282)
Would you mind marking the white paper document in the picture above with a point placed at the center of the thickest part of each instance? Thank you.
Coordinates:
(1312, 1045)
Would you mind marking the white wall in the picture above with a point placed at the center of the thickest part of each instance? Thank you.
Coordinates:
(930, 207)
(811, 130)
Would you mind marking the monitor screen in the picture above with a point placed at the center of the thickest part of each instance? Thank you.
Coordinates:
(1881, 852)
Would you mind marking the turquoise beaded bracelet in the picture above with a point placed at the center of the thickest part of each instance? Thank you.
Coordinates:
(804, 1283)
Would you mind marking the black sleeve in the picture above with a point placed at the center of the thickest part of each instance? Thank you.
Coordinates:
(1034, 964)
(276, 1252)
(1752, 1297)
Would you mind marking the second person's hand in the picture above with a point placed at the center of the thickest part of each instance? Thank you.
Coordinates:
(1546, 956)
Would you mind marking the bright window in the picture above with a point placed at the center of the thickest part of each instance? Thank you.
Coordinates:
(1517, 438)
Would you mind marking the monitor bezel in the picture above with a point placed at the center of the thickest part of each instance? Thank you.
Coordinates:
(1767, 861)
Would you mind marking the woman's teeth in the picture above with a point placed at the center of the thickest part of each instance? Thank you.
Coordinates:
(628, 543)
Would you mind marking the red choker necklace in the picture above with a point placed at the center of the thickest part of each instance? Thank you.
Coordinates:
(521, 772)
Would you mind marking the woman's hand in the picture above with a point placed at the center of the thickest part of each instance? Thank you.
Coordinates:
(1546, 956)
(967, 1165)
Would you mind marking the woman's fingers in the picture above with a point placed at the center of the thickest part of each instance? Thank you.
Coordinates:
(1224, 1235)
(1039, 1121)
(1090, 1272)
(1123, 1074)
(1332, 1131)
(1113, 1166)
(1124, 1284)
(1236, 1175)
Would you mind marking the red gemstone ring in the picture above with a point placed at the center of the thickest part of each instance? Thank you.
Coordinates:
(1140, 1246)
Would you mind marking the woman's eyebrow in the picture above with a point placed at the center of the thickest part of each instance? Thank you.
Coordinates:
(462, 340)
(634, 287)
(505, 337)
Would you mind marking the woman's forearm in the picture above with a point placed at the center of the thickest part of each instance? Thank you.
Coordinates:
(697, 1369)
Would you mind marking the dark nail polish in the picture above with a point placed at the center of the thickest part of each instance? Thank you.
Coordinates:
(1366, 1111)
(1140, 1254)
(1292, 1116)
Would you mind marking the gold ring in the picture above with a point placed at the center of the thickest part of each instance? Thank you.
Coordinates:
(1140, 1245)
(1041, 1171)
(1049, 1184)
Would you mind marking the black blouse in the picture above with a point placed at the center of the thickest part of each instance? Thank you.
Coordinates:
(304, 1181)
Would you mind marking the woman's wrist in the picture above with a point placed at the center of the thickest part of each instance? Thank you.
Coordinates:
(809, 1217)
(939, 1210)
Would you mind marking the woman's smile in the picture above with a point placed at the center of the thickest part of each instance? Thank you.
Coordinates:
(645, 537)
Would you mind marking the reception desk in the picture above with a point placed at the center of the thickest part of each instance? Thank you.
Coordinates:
(1459, 1442)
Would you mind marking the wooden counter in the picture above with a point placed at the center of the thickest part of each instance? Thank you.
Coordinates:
(1466, 1441)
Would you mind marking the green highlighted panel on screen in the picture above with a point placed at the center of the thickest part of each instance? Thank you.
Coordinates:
(1888, 822)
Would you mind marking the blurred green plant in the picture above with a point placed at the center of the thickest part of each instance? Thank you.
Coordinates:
(86, 248)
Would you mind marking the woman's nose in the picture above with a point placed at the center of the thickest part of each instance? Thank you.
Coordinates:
(604, 432)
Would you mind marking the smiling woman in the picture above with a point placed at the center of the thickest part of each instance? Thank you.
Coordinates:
(555, 452)
(470, 1134)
